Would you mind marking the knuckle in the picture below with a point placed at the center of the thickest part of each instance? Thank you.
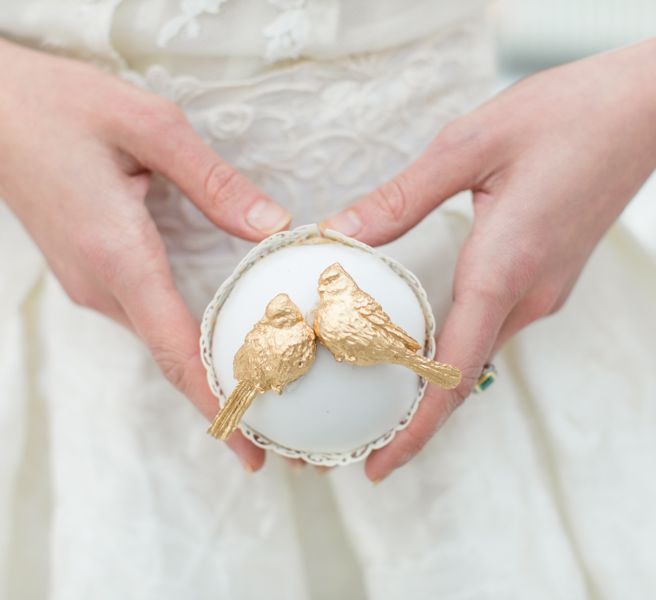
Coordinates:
(542, 303)
(220, 184)
(495, 296)
(170, 114)
(457, 396)
(454, 133)
(464, 134)
(86, 298)
(528, 258)
(451, 399)
(534, 308)
(159, 115)
(100, 254)
(173, 364)
(459, 133)
(508, 283)
(92, 249)
(392, 197)
(410, 445)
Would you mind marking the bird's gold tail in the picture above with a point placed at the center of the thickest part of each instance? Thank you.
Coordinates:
(228, 418)
(446, 376)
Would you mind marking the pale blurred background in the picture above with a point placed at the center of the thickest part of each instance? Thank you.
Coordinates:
(535, 34)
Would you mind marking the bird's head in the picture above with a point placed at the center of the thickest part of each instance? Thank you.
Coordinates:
(282, 312)
(334, 280)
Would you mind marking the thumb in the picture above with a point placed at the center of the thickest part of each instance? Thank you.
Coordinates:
(165, 142)
(452, 163)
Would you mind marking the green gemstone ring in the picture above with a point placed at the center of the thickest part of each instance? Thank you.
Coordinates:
(487, 378)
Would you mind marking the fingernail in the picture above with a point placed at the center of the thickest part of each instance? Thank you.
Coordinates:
(267, 216)
(347, 222)
(321, 469)
(378, 479)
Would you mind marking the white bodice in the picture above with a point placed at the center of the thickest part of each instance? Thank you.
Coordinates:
(318, 135)
(317, 101)
(238, 38)
(249, 32)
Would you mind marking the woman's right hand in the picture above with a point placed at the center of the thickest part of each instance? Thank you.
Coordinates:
(77, 148)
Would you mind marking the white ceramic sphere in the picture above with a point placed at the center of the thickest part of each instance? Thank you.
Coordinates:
(335, 407)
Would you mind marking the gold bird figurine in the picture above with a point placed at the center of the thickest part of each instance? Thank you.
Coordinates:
(279, 349)
(355, 328)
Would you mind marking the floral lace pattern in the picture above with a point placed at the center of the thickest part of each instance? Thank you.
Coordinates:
(316, 136)
(286, 35)
(187, 20)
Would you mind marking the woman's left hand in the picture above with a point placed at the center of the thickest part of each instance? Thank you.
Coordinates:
(551, 162)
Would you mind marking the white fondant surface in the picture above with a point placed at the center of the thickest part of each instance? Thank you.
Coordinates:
(335, 407)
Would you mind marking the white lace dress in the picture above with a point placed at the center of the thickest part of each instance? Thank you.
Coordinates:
(543, 487)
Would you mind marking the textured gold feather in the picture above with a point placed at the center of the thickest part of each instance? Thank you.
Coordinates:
(356, 329)
(280, 348)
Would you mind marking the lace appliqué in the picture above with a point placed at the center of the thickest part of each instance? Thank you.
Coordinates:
(287, 35)
(317, 136)
(188, 20)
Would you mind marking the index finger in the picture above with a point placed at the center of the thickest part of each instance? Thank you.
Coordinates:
(453, 162)
(161, 318)
(162, 139)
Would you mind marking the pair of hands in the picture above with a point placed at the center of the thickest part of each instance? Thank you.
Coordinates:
(551, 163)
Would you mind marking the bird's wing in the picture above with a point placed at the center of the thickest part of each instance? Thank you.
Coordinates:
(294, 353)
(250, 361)
(369, 309)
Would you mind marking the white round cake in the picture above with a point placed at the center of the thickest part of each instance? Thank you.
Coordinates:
(337, 412)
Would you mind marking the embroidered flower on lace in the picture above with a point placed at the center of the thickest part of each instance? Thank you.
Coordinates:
(188, 20)
(231, 121)
(317, 136)
(287, 35)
